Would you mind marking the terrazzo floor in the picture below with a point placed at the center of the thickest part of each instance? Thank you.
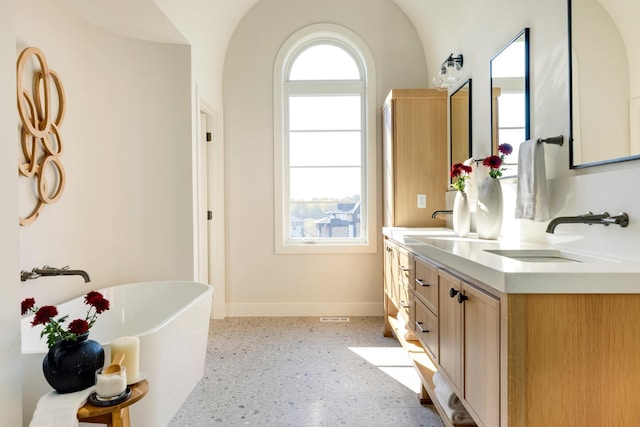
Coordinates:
(302, 372)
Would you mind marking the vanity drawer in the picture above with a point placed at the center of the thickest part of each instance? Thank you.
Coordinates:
(404, 301)
(426, 284)
(426, 328)
(405, 268)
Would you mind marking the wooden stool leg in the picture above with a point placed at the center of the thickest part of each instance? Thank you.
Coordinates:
(120, 418)
(125, 417)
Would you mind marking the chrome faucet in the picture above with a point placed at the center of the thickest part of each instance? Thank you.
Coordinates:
(589, 218)
(435, 214)
(52, 271)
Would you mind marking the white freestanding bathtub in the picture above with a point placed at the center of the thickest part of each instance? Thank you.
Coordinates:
(171, 319)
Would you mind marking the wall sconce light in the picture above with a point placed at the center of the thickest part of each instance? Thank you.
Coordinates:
(449, 73)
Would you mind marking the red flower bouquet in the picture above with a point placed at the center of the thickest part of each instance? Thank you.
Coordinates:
(494, 162)
(54, 329)
(461, 174)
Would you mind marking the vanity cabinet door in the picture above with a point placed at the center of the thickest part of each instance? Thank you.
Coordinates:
(406, 277)
(390, 276)
(450, 316)
(482, 354)
(391, 271)
(470, 346)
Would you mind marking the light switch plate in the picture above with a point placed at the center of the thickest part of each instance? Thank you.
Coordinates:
(422, 201)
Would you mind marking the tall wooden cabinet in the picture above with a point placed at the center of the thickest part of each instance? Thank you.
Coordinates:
(414, 140)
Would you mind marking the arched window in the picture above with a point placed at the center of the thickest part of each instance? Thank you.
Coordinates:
(324, 143)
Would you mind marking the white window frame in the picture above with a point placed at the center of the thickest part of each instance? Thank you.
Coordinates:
(354, 45)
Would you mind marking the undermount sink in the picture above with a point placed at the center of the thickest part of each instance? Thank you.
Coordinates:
(544, 255)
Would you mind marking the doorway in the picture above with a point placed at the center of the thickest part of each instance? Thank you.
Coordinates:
(210, 265)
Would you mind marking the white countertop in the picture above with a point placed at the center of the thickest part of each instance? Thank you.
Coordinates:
(590, 274)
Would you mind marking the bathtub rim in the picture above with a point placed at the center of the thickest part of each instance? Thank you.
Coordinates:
(207, 291)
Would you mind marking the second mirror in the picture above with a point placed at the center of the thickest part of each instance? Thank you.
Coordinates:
(509, 71)
(460, 122)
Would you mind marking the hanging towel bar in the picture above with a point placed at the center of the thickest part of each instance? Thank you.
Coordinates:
(556, 140)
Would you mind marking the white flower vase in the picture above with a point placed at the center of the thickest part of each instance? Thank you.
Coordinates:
(489, 209)
(461, 215)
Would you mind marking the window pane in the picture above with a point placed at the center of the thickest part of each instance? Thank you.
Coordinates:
(324, 148)
(324, 183)
(324, 62)
(324, 112)
(514, 137)
(510, 61)
(330, 219)
(511, 106)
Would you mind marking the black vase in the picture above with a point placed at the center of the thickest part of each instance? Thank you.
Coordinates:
(71, 365)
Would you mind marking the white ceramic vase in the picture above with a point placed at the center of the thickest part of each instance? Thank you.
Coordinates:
(461, 215)
(489, 209)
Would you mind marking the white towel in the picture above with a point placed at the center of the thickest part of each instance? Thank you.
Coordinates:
(60, 410)
(446, 396)
(531, 194)
(407, 334)
(459, 415)
(449, 402)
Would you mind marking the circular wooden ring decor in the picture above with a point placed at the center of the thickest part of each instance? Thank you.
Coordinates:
(40, 139)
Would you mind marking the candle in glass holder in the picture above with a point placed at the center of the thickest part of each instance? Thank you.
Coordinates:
(130, 347)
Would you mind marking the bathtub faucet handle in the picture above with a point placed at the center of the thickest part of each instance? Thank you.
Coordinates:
(28, 275)
(52, 271)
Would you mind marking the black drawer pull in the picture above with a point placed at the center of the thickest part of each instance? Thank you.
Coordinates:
(422, 283)
(453, 292)
(419, 327)
(462, 298)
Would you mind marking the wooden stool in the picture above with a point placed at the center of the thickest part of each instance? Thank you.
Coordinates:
(116, 415)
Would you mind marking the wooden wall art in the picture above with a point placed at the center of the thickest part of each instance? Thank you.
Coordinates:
(40, 136)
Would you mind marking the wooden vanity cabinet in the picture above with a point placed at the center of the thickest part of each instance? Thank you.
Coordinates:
(457, 325)
(525, 360)
(414, 139)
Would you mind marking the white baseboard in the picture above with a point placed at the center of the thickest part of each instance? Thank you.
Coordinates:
(303, 309)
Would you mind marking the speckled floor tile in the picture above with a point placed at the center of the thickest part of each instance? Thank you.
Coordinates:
(304, 373)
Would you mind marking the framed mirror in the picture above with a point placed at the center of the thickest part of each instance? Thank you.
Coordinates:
(460, 124)
(510, 113)
(604, 85)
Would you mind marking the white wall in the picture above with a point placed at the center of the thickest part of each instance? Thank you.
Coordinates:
(10, 366)
(479, 31)
(260, 282)
(125, 214)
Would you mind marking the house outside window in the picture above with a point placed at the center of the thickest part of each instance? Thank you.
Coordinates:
(324, 143)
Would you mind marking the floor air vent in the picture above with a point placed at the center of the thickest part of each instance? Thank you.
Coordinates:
(334, 319)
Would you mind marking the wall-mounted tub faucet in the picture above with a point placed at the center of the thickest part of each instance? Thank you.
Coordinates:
(52, 271)
(436, 213)
(621, 219)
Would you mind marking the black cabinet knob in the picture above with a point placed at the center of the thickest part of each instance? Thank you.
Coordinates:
(462, 298)
(453, 292)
